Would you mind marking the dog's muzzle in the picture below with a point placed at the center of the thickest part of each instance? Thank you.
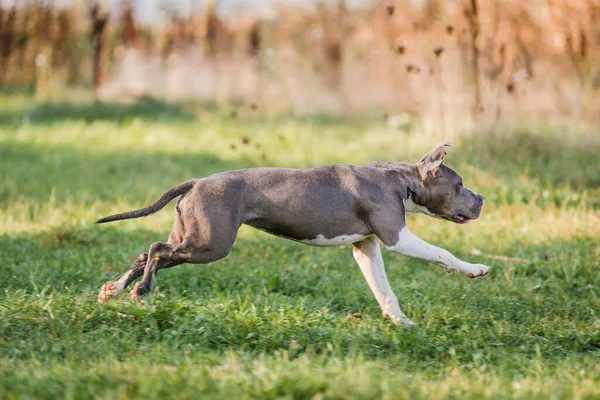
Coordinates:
(473, 212)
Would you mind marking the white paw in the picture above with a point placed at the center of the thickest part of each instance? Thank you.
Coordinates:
(476, 270)
(108, 291)
(406, 322)
(399, 319)
(403, 321)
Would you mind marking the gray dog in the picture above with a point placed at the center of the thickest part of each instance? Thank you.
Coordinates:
(323, 206)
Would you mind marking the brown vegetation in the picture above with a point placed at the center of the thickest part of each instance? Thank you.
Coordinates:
(454, 61)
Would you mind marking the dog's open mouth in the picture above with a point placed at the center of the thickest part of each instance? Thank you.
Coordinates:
(461, 219)
(458, 218)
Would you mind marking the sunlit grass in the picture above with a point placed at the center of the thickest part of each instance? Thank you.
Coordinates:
(278, 319)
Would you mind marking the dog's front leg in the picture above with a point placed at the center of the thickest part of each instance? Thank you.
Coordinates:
(368, 256)
(413, 246)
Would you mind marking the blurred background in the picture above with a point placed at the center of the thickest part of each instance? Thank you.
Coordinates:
(106, 104)
(449, 65)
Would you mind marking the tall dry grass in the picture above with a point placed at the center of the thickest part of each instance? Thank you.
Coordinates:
(464, 64)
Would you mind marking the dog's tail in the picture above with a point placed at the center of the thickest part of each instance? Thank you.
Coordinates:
(169, 195)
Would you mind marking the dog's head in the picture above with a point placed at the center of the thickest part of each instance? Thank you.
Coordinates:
(444, 195)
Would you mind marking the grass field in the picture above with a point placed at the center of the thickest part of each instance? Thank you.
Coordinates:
(276, 319)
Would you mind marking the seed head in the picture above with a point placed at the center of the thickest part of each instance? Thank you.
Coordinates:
(390, 8)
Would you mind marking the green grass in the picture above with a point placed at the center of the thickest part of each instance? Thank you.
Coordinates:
(277, 319)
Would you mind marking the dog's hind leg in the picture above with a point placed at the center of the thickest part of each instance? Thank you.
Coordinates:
(209, 236)
(115, 287)
(161, 255)
(165, 255)
(368, 256)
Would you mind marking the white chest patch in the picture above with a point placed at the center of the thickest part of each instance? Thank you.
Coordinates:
(411, 207)
(322, 241)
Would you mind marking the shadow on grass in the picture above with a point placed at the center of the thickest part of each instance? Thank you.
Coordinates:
(66, 174)
(152, 109)
(89, 111)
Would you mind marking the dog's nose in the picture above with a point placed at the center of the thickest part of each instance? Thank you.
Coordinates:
(480, 197)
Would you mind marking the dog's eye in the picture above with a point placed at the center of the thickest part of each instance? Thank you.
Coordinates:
(459, 185)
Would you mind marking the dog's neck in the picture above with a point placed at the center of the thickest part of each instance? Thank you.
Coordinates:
(415, 186)
(409, 174)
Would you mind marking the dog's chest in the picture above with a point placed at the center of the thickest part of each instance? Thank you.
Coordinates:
(322, 241)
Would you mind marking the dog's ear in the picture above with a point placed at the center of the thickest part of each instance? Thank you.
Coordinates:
(431, 161)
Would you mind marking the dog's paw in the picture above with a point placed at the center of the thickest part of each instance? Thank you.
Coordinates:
(108, 291)
(138, 292)
(404, 321)
(399, 319)
(477, 270)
